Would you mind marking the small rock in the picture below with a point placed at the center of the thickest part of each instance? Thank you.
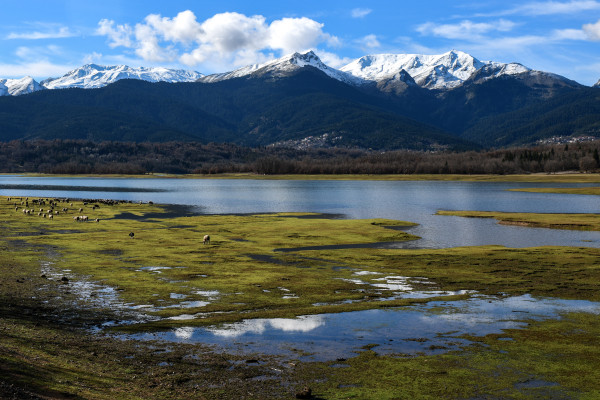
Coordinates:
(64, 279)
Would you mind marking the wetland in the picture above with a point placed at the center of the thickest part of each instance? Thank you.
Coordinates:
(318, 283)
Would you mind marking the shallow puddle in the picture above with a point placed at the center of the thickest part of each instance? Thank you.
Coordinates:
(430, 328)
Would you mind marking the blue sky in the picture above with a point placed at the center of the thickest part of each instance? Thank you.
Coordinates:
(47, 38)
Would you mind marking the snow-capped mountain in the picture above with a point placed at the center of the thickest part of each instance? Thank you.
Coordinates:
(94, 76)
(284, 66)
(16, 87)
(597, 84)
(388, 72)
(444, 71)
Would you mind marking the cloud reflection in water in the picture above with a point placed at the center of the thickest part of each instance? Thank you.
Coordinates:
(305, 323)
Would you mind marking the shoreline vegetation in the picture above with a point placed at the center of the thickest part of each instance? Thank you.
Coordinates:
(48, 349)
(567, 177)
(88, 157)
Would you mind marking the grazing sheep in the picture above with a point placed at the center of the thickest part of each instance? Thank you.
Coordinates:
(131, 235)
(51, 216)
(97, 220)
(206, 239)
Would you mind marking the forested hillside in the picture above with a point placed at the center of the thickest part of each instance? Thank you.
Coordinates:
(87, 157)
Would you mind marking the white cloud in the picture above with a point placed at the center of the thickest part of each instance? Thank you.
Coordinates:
(148, 46)
(369, 42)
(539, 8)
(37, 69)
(332, 59)
(224, 38)
(592, 31)
(182, 28)
(54, 33)
(557, 7)
(360, 12)
(119, 35)
(465, 29)
(92, 58)
(294, 34)
(569, 34)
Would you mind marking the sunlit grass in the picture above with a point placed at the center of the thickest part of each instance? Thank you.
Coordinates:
(583, 222)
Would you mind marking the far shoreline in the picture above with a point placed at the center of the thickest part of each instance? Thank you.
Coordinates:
(566, 177)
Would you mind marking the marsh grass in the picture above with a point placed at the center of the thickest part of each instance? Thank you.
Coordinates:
(595, 191)
(44, 351)
(583, 222)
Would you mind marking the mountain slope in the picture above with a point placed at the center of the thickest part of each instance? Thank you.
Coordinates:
(258, 111)
(575, 113)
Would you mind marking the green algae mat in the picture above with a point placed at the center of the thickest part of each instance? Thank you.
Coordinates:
(265, 266)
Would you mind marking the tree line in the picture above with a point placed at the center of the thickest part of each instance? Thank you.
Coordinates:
(88, 157)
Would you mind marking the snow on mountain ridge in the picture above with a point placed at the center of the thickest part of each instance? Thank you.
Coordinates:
(283, 66)
(17, 87)
(94, 76)
(443, 71)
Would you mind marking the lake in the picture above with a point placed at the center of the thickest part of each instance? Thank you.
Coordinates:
(401, 200)
(414, 329)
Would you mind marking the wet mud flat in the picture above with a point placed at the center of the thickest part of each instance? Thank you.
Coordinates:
(48, 351)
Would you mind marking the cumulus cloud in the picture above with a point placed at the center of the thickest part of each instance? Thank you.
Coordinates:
(361, 12)
(292, 34)
(592, 31)
(119, 35)
(465, 29)
(232, 37)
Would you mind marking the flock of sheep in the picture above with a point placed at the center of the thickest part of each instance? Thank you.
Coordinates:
(51, 207)
(48, 208)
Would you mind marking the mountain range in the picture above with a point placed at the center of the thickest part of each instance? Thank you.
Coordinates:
(383, 101)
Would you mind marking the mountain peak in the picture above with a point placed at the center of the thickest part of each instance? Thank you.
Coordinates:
(443, 71)
(17, 87)
(283, 66)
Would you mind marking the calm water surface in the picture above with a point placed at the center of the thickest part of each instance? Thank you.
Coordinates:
(409, 201)
(415, 329)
